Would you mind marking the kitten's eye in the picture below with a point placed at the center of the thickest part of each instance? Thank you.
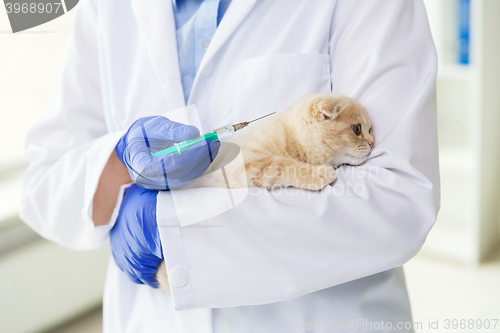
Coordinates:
(370, 131)
(356, 129)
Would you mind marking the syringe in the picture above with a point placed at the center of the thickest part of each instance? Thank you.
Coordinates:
(218, 134)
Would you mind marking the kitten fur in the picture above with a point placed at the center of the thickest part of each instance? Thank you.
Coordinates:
(299, 148)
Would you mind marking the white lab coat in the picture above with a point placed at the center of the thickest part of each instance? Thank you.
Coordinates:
(279, 261)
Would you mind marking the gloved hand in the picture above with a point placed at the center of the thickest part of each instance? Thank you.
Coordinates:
(135, 239)
(152, 134)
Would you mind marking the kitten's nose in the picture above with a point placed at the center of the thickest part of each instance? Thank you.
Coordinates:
(371, 144)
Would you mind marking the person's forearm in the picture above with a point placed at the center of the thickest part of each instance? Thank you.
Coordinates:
(113, 176)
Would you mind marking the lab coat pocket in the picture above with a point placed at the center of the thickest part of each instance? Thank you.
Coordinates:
(273, 82)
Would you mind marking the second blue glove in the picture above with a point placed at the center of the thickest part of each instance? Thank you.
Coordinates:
(135, 238)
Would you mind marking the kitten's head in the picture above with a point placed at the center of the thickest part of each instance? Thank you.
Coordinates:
(336, 129)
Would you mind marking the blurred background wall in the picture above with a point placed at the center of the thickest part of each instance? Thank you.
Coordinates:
(456, 274)
(41, 284)
(467, 37)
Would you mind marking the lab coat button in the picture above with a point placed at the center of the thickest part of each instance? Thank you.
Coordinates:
(178, 277)
(205, 45)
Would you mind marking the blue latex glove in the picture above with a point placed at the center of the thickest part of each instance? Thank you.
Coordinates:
(135, 239)
(152, 134)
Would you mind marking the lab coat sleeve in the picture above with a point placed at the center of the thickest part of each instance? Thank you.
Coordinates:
(69, 146)
(286, 243)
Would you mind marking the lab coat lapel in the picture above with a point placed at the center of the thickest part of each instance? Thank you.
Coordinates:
(234, 15)
(156, 22)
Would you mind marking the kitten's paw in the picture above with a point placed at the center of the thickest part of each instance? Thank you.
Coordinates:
(322, 176)
(162, 277)
(326, 174)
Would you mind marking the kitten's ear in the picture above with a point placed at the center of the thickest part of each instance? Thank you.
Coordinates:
(336, 111)
(325, 109)
(320, 115)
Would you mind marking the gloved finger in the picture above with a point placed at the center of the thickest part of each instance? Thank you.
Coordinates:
(161, 128)
(180, 132)
(179, 182)
(186, 176)
(185, 161)
(152, 174)
(202, 151)
(144, 164)
(141, 265)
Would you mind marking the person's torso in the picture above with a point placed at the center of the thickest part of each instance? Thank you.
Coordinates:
(263, 56)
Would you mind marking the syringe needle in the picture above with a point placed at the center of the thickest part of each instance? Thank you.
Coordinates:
(244, 124)
(267, 115)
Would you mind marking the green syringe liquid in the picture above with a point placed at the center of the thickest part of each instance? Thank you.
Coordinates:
(179, 148)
